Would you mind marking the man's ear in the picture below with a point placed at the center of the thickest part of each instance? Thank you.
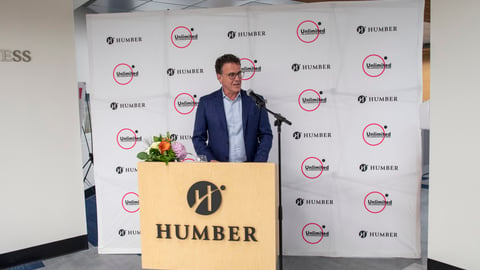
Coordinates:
(219, 76)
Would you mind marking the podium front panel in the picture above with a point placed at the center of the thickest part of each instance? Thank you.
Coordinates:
(208, 215)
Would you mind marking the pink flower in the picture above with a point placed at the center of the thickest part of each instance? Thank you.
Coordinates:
(179, 150)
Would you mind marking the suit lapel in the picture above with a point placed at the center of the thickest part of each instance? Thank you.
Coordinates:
(220, 109)
(246, 107)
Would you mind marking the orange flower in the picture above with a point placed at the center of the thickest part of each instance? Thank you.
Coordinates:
(164, 145)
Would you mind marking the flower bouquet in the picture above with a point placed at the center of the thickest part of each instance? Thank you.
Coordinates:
(163, 149)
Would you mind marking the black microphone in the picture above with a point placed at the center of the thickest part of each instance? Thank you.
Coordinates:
(257, 98)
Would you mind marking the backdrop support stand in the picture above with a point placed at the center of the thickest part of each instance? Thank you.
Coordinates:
(89, 161)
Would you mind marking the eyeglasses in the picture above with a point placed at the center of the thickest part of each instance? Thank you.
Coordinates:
(233, 75)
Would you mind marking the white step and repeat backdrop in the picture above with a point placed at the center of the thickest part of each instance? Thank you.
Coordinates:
(348, 76)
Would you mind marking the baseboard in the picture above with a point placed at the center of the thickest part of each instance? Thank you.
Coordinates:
(89, 192)
(436, 265)
(45, 251)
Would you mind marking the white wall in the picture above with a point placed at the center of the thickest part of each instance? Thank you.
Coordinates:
(81, 44)
(454, 142)
(40, 174)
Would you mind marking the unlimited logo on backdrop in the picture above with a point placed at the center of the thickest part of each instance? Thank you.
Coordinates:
(185, 103)
(313, 167)
(128, 138)
(249, 68)
(183, 36)
(376, 202)
(312, 233)
(123, 73)
(375, 134)
(130, 202)
(309, 100)
(308, 31)
(375, 65)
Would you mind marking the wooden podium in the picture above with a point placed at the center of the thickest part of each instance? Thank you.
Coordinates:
(200, 215)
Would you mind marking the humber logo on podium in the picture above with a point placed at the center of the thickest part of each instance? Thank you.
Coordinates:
(205, 198)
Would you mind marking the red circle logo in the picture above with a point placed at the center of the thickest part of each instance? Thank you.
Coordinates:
(184, 103)
(126, 138)
(312, 167)
(305, 29)
(250, 66)
(312, 233)
(371, 69)
(130, 202)
(309, 100)
(373, 134)
(375, 202)
(123, 74)
(181, 37)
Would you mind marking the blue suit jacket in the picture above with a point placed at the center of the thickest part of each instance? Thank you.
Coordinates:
(210, 134)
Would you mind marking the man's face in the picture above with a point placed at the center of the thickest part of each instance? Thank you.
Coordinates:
(230, 79)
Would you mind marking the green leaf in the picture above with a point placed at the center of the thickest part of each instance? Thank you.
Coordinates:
(142, 156)
(154, 152)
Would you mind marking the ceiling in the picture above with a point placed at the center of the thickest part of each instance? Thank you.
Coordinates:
(115, 6)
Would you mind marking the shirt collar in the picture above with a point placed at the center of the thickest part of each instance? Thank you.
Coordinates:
(236, 98)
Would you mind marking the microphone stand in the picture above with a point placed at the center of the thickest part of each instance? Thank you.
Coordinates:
(278, 123)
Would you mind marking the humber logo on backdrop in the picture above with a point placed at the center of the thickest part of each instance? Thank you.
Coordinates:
(132, 105)
(118, 40)
(181, 137)
(246, 34)
(362, 29)
(365, 234)
(128, 232)
(377, 99)
(313, 202)
(377, 167)
(126, 170)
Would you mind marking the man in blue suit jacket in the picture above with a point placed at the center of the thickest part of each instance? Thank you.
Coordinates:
(229, 127)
